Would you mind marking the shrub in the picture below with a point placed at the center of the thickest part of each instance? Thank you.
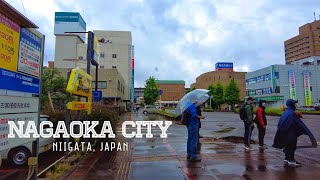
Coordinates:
(58, 170)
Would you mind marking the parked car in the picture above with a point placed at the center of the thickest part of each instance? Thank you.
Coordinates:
(306, 108)
(150, 109)
(19, 155)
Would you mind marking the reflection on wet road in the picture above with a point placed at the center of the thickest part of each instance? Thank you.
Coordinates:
(221, 150)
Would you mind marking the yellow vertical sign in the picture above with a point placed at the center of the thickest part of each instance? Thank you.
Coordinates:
(9, 43)
(80, 84)
(96, 49)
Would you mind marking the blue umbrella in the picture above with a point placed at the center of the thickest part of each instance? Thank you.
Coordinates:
(197, 96)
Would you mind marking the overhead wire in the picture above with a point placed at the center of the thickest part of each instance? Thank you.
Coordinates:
(25, 14)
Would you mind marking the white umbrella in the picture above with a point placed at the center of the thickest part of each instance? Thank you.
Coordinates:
(197, 96)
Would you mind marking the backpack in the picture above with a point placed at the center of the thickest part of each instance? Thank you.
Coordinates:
(185, 117)
(243, 112)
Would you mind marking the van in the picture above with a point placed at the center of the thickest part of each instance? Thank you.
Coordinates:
(19, 155)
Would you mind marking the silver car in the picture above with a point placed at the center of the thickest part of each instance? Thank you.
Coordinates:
(150, 109)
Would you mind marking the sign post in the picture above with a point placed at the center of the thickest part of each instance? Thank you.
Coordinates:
(160, 92)
(21, 62)
(79, 84)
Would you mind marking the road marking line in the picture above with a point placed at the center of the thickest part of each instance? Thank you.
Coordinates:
(119, 170)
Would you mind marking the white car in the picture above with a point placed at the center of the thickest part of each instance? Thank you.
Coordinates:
(19, 155)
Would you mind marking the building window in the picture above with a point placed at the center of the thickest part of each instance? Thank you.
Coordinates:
(310, 88)
(81, 57)
(229, 77)
(276, 75)
(102, 55)
(114, 67)
(118, 85)
(101, 85)
(114, 55)
(277, 89)
(102, 67)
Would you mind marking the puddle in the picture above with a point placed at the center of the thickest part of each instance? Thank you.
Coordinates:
(236, 169)
(225, 130)
(236, 139)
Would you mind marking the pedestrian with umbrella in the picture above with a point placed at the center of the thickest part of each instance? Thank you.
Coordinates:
(187, 105)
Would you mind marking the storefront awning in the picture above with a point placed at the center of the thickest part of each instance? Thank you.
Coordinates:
(267, 98)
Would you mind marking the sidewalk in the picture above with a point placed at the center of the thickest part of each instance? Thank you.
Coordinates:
(157, 158)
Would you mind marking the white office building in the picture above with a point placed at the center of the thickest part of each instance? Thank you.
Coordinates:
(277, 83)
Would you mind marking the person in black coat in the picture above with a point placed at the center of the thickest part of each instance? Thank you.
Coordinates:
(290, 127)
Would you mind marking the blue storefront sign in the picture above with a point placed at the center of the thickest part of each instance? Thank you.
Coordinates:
(96, 96)
(14, 81)
(224, 65)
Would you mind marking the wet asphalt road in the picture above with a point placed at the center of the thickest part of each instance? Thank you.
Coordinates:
(158, 158)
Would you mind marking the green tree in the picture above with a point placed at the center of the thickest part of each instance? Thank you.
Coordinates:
(232, 93)
(189, 90)
(217, 95)
(53, 86)
(151, 91)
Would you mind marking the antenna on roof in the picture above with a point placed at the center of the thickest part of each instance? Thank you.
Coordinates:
(314, 14)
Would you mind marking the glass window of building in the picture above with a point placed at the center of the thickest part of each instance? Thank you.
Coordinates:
(114, 55)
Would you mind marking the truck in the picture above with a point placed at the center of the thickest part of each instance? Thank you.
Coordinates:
(20, 153)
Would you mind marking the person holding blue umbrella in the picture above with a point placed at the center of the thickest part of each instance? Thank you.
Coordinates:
(193, 133)
(187, 105)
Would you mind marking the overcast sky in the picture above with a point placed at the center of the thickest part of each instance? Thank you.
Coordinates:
(181, 39)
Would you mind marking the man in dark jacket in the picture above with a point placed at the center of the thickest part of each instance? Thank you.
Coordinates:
(248, 124)
(290, 127)
(262, 123)
(193, 130)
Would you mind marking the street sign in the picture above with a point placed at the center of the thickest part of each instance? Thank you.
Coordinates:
(96, 96)
(160, 92)
(80, 83)
(75, 106)
(10, 104)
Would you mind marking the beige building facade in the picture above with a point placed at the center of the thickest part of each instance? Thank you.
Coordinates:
(224, 76)
(115, 53)
(304, 45)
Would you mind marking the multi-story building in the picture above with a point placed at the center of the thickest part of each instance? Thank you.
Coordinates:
(304, 45)
(172, 91)
(114, 56)
(115, 53)
(277, 83)
(223, 74)
(139, 95)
